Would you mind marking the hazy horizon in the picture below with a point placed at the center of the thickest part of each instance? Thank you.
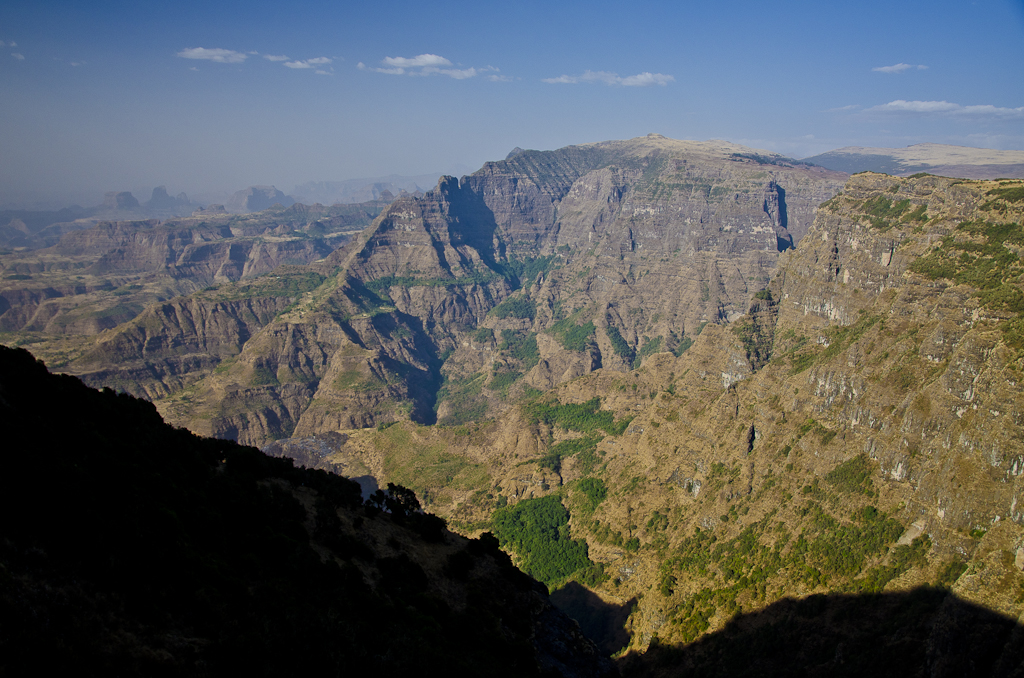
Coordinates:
(210, 99)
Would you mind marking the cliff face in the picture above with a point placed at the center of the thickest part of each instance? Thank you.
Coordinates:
(856, 432)
(647, 238)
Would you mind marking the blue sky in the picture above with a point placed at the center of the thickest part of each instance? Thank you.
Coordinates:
(208, 97)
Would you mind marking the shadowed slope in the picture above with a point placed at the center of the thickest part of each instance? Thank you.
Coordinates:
(128, 547)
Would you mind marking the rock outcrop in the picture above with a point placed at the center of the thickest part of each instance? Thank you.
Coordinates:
(122, 200)
(257, 199)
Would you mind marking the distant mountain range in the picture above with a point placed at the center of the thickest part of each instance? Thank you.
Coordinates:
(362, 190)
(941, 159)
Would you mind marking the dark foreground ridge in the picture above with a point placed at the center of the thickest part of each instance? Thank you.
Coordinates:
(924, 632)
(129, 547)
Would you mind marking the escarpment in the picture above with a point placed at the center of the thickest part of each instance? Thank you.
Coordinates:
(530, 272)
(855, 433)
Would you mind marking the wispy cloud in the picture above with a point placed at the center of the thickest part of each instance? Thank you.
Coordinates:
(644, 79)
(982, 111)
(427, 64)
(308, 63)
(221, 56)
(899, 68)
(19, 57)
(8, 44)
(841, 109)
(275, 57)
(421, 61)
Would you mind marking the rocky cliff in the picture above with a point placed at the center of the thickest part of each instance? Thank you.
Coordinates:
(856, 432)
(645, 239)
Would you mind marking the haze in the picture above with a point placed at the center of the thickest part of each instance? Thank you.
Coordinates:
(210, 98)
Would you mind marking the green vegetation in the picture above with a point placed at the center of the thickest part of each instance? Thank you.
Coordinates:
(285, 281)
(976, 254)
(619, 345)
(583, 417)
(515, 307)
(649, 347)
(523, 271)
(1009, 194)
(537, 530)
(901, 560)
(880, 211)
(852, 476)
(501, 381)
(684, 344)
(595, 492)
(826, 549)
(573, 337)
(951, 572)
(354, 380)
(521, 346)
(264, 376)
(584, 448)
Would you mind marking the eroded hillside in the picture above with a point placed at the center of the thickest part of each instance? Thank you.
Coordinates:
(61, 299)
(858, 431)
(531, 272)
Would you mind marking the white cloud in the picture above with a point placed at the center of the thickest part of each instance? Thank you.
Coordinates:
(645, 79)
(319, 72)
(851, 107)
(275, 57)
(19, 57)
(458, 74)
(221, 56)
(417, 61)
(308, 63)
(899, 68)
(424, 65)
(900, 106)
(77, 63)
